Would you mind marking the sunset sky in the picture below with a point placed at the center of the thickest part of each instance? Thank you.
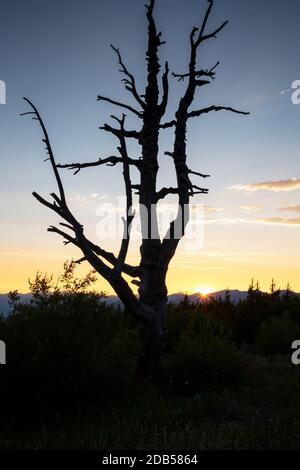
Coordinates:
(58, 55)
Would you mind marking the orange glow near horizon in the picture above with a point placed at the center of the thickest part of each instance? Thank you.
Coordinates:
(184, 275)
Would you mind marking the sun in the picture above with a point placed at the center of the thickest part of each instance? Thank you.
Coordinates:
(204, 290)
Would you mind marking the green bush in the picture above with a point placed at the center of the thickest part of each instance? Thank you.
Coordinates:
(194, 319)
(276, 335)
(56, 357)
(65, 348)
(204, 356)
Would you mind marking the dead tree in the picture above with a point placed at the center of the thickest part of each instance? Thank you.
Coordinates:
(156, 253)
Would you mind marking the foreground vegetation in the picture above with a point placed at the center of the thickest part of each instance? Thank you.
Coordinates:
(227, 381)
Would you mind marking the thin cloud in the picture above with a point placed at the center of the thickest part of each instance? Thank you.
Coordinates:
(277, 186)
(289, 209)
(284, 92)
(86, 199)
(25, 254)
(215, 254)
(206, 209)
(281, 221)
(226, 220)
(269, 221)
(252, 208)
(211, 210)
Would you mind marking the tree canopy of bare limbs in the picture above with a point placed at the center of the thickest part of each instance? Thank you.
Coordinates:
(156, 253)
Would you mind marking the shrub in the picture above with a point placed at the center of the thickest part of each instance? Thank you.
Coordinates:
(65, 348)
(194, 319)
(204, 356)
(276, 335)
(61, 357)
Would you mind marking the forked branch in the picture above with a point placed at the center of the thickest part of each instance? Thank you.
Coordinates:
(200, 112)
(109, 161)
(130, 84)
(91, 252)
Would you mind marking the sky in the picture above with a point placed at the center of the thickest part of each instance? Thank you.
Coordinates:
(58, 54)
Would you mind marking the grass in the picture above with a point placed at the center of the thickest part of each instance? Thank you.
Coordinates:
(263, 413)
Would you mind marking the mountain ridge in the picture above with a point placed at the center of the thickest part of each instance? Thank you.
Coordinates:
(235, 296)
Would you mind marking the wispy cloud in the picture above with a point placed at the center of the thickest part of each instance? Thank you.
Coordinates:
(214, 254)
(277, 186)
(211, 210)
(281, 221)
(284, 92)
(270, 221)
(28, 254)
(227, 220)
(252, 208)
(199, 268)
(289, 209)
(206, 209)
(86, 199)
(192, 260)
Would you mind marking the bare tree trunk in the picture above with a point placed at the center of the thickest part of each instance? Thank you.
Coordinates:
(153, 301)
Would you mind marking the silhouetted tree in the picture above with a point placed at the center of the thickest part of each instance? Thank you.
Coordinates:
(156, 254)
(275, 293)
(288, 292)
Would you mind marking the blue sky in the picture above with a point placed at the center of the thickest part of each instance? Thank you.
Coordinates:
(57, 53)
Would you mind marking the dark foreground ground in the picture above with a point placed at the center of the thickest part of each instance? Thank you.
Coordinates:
(263, 415)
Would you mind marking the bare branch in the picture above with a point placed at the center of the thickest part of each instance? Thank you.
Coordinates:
(43, 201)
(162, 193)
(198, 73)
(49, 151)
(200, 112)
(129, 202)
(165, 83)
(90, 250)
(109, 161)
(214, 33)
(122, 105)
(203, 37)
(120, 286)
(179, 155)
(169, 154)
(64, 235)
(130, 84)
(79, 261)
(66, 225)
(202, 82)
(199, 190)
(132, 271)
(167, 125)
(215, 108)
(118, 132)
(198, 174)
(205, 20)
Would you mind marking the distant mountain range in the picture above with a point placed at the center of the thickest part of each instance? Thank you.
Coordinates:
(235, 296)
